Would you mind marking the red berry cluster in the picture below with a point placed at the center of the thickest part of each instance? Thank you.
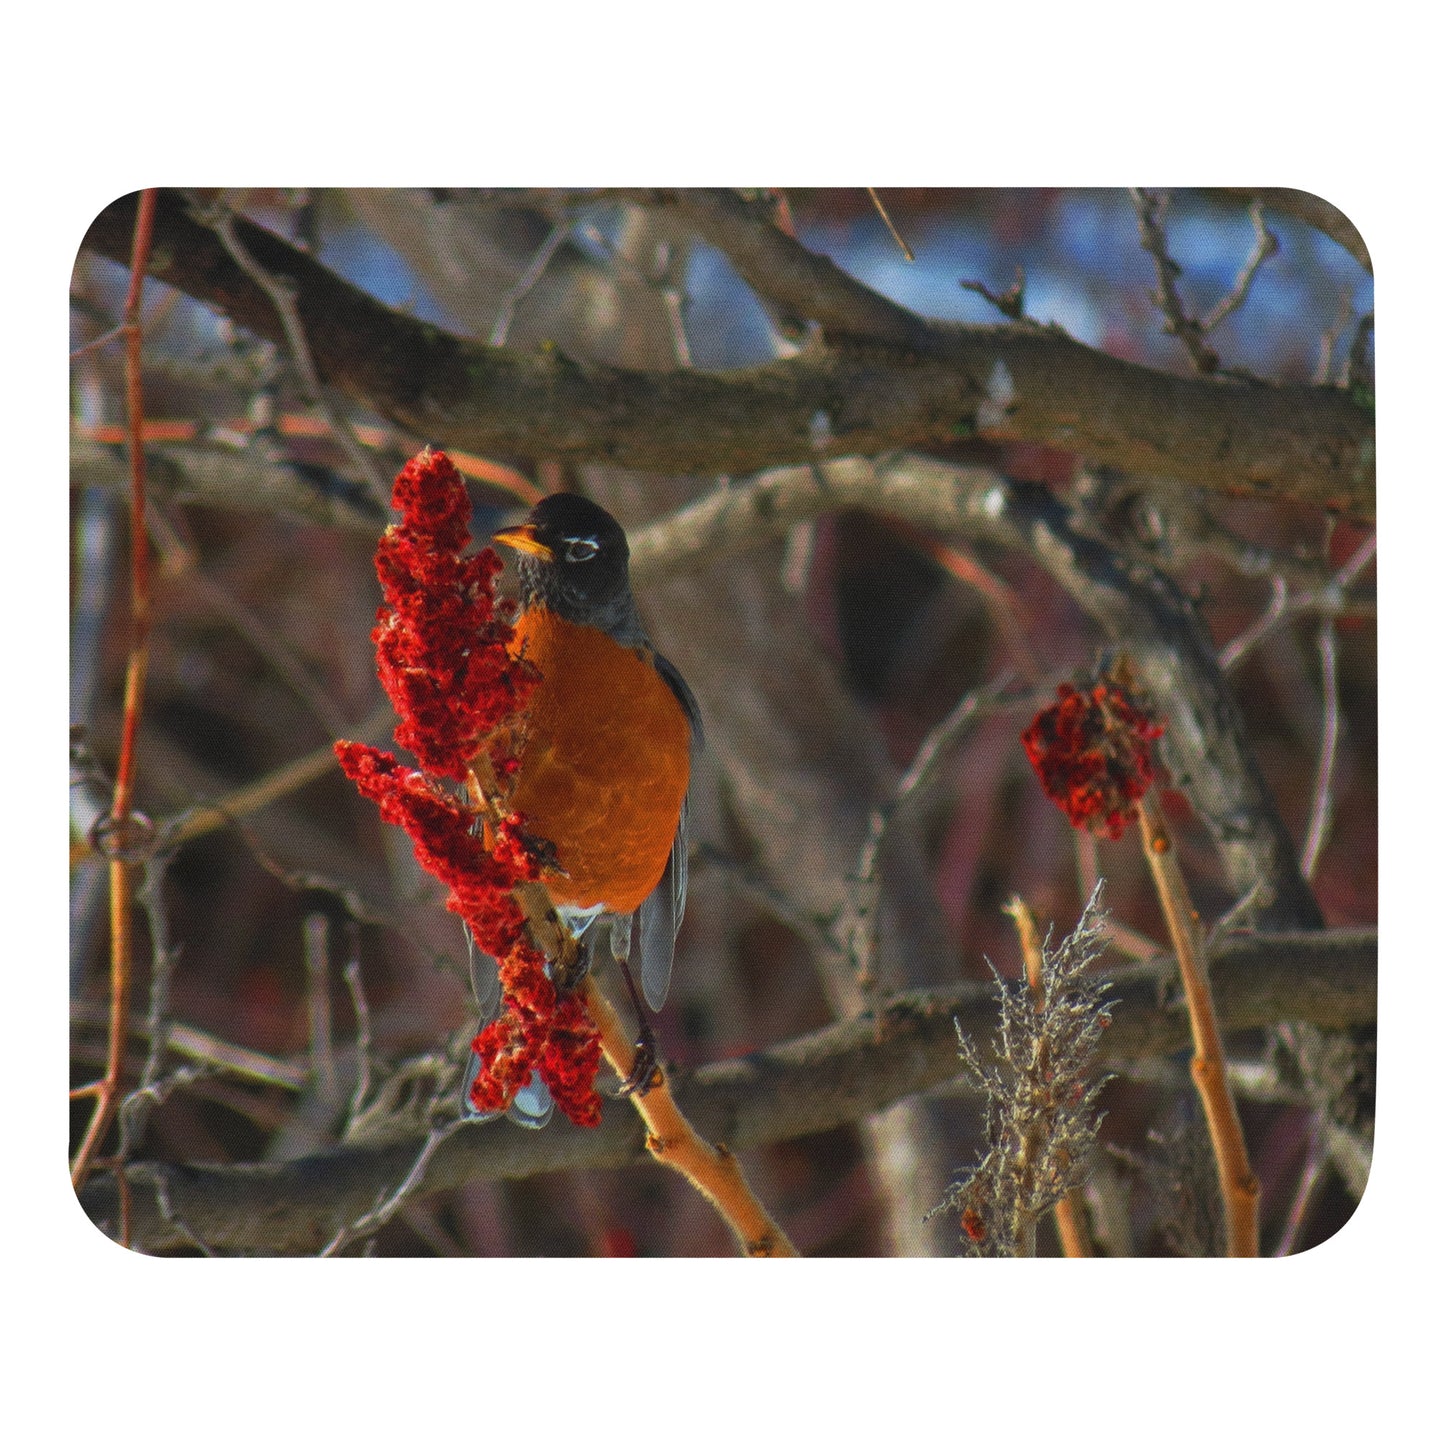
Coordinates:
(442, 656)
(1091, 752)
(441, 651)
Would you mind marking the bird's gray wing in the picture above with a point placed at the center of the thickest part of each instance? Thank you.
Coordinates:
(660, 918)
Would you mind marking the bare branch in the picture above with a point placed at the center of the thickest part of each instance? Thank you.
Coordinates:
(1357, 369)
(389, 1205)
(526, 281)
(777, 266)
(1322, 798)
(886, 378)
(1266, 244)
(1140, 607)
(1177, 320)
(841, 1073)
(1312, 211)
(246, 480)
(316, 950)
(281, 291)
(363, 1031)
(1329, 598)
(859, 926)
(1010, 302)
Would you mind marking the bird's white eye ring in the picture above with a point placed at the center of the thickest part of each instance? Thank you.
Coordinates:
(581, 549)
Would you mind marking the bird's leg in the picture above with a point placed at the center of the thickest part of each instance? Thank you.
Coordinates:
(642, 1076)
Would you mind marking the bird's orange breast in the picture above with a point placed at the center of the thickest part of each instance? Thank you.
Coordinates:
(603, 763)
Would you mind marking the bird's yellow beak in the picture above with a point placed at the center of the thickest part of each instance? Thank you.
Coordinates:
(523, 538)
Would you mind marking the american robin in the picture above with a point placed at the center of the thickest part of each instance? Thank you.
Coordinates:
(604, 755)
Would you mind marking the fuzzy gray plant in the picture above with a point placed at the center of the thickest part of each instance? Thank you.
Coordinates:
(1041, 1089)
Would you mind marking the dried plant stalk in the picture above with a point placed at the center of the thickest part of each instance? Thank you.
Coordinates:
(1069, 1217)
(1041, 1122)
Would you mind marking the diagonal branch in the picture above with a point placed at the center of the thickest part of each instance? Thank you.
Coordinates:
(905, 382)
(779, 267)
(1133, 604)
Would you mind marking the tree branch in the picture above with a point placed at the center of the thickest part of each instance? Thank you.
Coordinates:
(837, 1075)
(778, 267)
(239, 478)
(910, 382)
(1135, 605)
(1312, 210)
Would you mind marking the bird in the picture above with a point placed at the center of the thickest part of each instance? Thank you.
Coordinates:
(604, 760)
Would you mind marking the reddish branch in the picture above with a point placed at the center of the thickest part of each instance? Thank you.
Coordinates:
(121, 835)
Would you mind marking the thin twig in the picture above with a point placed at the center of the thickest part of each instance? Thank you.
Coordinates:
(1177, 320)
(282, 295)
(670, 295)
(219, 1055)
(1243, 643)
(163, 963)
(1002, 601)
(1266, 244)
(1330, 339)
(252, 797)
(1357, 367)
(859, 928)
(99, 342)
(172, 1217)
(1010, 302)
(1328, 599)
(363, 1034)
(888, 221)
(536, 267)
(386, 1207)
(1312, 1180)
(1128, 941)
(1322, 801)
(316, 947)
(180, 561)
(672, 300)
(135, 1108)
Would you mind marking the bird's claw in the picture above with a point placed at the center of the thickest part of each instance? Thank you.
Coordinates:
(644, 1074)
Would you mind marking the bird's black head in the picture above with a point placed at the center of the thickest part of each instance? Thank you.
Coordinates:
(572, 559)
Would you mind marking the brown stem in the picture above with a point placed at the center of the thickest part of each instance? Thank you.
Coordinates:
(1237, 1182)
(1074, 1240)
